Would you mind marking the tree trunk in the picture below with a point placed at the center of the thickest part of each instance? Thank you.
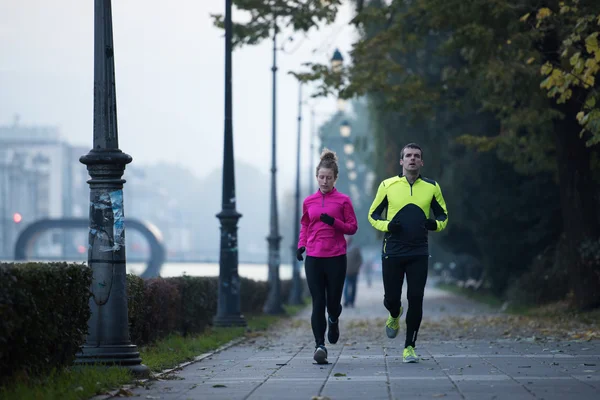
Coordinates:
(578, 196)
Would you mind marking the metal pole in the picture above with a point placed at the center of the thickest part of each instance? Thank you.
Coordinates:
(228, 306)
(295, 296)
(273, 303)
(108, 328)
(311, 172)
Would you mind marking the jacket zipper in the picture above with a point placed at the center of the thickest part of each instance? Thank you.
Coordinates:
(411, 185)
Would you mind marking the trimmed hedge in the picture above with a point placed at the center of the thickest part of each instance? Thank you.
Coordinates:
(44, 310)
(187, 305)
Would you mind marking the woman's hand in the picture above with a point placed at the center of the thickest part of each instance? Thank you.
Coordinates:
(327, 219)
(299, 253)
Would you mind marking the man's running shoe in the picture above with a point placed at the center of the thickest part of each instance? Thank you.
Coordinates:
(409, 355)
(333, 333)
(392, 325)
(320, 355)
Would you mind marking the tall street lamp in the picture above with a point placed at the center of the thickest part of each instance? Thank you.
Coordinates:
(108, 327)
(336, 62)
(273, 303)
(313, 133)
(295, 296)
(228, 305)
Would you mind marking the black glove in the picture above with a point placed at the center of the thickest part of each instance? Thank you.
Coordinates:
(430, 225)
(299, 253)
(327, 219)
(394, 227)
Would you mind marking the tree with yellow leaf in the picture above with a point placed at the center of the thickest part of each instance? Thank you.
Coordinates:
(447, 63)
(578, 64)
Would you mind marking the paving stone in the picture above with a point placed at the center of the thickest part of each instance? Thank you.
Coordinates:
(366, 365)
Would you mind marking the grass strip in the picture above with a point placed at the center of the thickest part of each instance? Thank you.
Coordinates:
(73, 383)
(177, 349)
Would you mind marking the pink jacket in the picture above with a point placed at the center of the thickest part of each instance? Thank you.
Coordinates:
(320, 239)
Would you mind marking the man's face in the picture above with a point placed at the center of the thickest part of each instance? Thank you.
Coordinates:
(411, 161)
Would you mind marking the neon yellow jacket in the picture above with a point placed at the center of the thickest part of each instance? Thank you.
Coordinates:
(399, 201)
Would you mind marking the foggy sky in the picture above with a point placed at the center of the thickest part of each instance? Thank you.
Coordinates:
(169, 62)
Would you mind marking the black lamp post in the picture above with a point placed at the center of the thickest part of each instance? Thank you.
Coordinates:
(108, 328)
(228, 306)
(273, 303)
(295, 296)
(311, 166)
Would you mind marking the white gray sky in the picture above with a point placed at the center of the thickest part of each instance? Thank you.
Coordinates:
(169, 75)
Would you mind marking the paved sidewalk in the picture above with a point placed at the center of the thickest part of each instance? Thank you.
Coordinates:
(365, 364)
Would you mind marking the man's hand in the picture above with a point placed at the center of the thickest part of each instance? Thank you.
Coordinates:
(299, 253)
(430, 225)
(394, 227)
(327, 219)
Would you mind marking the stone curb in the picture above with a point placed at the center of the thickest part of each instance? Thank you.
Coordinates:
(115, 393)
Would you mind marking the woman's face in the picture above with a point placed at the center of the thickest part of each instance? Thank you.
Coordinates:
(326, 179)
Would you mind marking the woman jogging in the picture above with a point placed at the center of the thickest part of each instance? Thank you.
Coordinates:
(327, 216)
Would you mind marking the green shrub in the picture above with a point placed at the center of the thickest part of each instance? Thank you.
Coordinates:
(162, 305)
(198, 302)
(184, 305)
(544, 282)
(44, 309)
(135, 307)
(253, 295)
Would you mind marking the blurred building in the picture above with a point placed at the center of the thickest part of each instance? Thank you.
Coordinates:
(147, 200)
(41, 177)
(36, 181)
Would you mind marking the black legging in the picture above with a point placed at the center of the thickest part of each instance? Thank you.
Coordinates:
(415, 268)
(325, 279)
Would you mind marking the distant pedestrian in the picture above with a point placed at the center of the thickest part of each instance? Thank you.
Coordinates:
(368, 268)
(327, 216)
(355, 261)
(408, 199)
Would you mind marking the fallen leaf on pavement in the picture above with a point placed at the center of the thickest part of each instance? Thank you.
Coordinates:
(124, 393)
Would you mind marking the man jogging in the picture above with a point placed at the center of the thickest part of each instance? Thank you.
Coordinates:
(401, 209)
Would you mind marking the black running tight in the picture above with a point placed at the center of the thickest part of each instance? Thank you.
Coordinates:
(415, 268)
(325, 279)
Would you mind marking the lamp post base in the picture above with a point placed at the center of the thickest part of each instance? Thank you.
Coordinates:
(229, 320)
(295, 298)
(273, 308)
(125, 356)
(273, 303)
